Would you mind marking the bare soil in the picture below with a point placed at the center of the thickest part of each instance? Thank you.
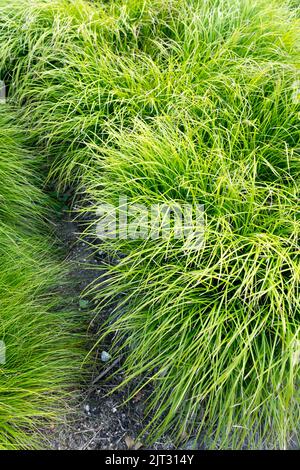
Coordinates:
(97, 421)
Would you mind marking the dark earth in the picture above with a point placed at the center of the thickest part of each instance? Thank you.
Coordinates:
(97, 421)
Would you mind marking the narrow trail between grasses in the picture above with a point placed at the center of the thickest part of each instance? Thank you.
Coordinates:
(97, 421)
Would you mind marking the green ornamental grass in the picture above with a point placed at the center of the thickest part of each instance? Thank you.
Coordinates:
(216, 328)
(185, 102)
(41, 342)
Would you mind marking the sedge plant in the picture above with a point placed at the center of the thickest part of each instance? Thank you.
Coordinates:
(214, 327)
(41, 338)
(181, 102)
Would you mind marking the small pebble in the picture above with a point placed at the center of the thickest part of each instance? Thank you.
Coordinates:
(105, 357)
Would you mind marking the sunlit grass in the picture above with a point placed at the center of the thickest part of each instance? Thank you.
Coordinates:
(192, 102)
(217, 328)
(42, 335)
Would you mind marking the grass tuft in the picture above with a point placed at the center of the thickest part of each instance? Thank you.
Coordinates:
(42, 336)
(187, 102)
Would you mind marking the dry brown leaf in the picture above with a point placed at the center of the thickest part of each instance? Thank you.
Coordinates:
(138, 445)
(129, 442)
(132, 444)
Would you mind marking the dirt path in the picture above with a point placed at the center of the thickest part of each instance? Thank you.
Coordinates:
(98, 421)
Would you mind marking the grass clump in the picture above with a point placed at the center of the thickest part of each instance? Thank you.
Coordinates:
(21, 203)
(216, 328)
(81, 67)
(182, 102)
(41, 336)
